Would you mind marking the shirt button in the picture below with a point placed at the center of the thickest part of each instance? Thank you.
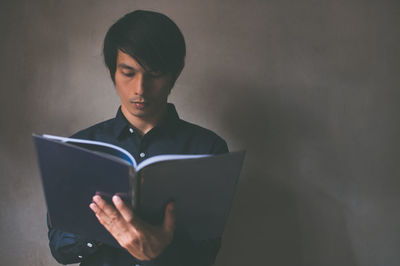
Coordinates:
(80, 257)
(131, 130)
(89, 244)
(142, 154)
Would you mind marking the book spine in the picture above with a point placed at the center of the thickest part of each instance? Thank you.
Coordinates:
(137, 181)
(131, 190)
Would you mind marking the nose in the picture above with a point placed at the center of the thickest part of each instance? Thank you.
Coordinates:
(138, 84)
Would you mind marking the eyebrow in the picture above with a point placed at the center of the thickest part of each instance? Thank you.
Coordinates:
(122, 65)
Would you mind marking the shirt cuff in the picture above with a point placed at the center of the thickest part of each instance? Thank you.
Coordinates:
(70, 248)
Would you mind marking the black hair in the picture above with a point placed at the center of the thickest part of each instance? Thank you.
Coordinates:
(151, 38)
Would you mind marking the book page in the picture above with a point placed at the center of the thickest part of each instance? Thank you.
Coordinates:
(98, 146)
(168, 157)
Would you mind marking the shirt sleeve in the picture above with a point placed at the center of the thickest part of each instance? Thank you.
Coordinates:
(69, 248)
(219, 146)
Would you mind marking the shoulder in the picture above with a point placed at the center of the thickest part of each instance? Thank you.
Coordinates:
(203, 136)
(197, 131)
(97, 131)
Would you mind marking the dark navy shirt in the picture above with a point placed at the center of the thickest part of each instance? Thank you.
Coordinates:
(171, 136)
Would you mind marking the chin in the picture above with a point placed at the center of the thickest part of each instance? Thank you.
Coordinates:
(140, 113)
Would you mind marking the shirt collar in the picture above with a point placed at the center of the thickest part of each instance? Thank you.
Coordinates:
(167, 124)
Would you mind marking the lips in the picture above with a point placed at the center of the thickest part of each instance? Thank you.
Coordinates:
(140, 105)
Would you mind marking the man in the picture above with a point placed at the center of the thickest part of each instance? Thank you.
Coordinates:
(144, 52)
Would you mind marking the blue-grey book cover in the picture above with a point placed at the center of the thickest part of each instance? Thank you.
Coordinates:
(71, 176)
(202, 188)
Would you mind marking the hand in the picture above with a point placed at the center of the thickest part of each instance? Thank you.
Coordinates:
(142, 240)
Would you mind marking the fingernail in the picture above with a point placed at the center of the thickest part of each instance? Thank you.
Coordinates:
(96, 198)
(116, 199)
(93, 206)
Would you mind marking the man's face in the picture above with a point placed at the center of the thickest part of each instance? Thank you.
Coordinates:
(143, 94)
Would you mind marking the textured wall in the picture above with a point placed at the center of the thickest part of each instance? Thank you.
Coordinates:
(309, 88)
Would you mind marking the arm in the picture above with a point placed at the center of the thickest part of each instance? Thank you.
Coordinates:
(69, 248)
(219, 146)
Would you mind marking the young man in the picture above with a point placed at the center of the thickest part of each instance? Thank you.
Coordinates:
(144, 52)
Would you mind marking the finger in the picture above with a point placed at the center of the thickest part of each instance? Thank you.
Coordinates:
(110, 217)
(119, 230)
(170, 217)
(116, 226)
(101, 216)
(108, 209)
(124, 210)
(94, 208)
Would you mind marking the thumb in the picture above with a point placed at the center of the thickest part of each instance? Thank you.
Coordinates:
(170, 217)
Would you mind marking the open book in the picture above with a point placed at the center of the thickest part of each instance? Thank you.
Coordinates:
(73, 170)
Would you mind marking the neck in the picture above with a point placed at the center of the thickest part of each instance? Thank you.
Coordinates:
(146, 123)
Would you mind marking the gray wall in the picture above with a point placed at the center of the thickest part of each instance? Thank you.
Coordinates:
(309, 88)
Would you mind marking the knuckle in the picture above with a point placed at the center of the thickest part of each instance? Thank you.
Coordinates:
(130, 220)
(139, 235)
(113, 218)
(128, 242)
(125, 244)
(136, 241)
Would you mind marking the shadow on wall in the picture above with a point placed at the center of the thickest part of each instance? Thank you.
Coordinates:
(278, 216)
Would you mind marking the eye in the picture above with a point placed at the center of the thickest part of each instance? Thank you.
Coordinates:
(128, 74)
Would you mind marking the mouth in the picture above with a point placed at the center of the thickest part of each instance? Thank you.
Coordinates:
(140, 105)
